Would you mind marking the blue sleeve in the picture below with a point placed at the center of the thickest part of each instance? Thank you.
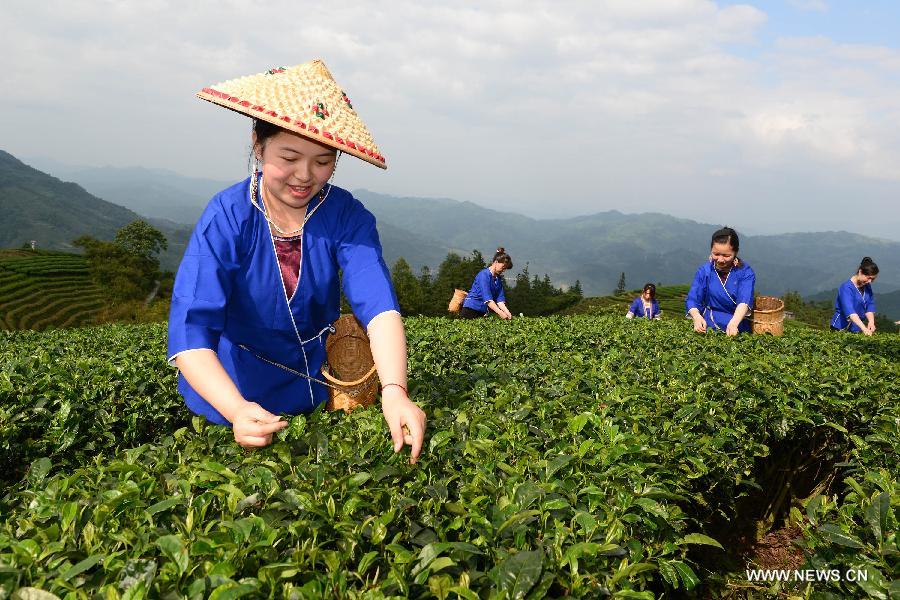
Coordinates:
(870, 300)
(366, 279)
(501, 295)
(696, 297)
(635, 307)
(845, 301)
(474, 291)
(745, 287)
(203, 282)
(483, 281)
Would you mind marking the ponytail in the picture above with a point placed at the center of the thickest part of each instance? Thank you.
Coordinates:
(503, 258)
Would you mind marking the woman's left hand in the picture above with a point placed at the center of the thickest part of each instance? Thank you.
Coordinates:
(731, 328)
(405, 420)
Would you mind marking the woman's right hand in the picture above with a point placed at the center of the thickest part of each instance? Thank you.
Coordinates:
(699, 324)
(253, 425)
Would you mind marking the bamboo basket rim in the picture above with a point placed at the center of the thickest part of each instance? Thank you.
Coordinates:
(769, 310)
(337, 381)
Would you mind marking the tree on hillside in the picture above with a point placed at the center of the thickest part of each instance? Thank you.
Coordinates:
(454, 272)
(620, 288)
(142, 239)
(576, 289)
(127, 268)
(408, 288)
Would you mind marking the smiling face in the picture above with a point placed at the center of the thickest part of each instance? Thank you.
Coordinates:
(723, 255)
(294, 168)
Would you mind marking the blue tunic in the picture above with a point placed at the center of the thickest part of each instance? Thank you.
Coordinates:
(851, 300)
(638, 310)
(228, 292)
(717, 301)
(485, 288)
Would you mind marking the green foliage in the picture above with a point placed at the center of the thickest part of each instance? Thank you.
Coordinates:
(409, 291)
(571, 457)
(620, 287)
(539, 297)
(41, 289)
(126, 269)
(671, 302)
(142, 239)
(454, 272)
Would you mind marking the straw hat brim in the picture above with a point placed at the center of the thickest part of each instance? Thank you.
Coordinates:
(304, 99)
(297, 126)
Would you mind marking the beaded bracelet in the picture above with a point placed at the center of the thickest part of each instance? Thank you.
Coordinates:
(397, 384)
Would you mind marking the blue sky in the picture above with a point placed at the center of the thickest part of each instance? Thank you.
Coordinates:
(699, 109)
(846, 21)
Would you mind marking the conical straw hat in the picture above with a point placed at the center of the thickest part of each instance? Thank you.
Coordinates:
(304, 99)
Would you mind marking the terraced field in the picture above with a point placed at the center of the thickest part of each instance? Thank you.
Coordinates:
(671, 303)
(40, 290)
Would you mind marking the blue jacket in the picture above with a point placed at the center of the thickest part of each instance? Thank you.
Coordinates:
(485, 288)
(851, 300)
(228, 292)
(717, 301)
(637, 308)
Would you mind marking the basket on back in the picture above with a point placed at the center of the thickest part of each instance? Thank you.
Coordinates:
(457, 300)
(350, 366)
(768, 315)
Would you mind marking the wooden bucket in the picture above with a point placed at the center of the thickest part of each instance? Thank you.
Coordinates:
(350, 367)
(457, 300)
(768, 315)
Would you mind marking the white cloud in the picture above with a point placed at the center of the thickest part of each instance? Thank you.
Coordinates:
(591, 104)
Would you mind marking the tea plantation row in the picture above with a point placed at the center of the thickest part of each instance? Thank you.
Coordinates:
(41, 289)
(565, 457)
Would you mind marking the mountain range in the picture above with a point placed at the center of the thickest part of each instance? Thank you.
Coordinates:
(594, 249)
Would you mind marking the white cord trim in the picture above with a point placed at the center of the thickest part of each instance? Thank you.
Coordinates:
(171, 359)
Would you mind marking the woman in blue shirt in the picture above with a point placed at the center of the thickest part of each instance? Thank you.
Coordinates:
(854, 298)
(721, 294)
(645, 306)
(259, 284)
(487, 290)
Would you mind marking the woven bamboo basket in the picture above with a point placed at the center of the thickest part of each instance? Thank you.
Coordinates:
(350, 367)
(457, 300)
(768, 315)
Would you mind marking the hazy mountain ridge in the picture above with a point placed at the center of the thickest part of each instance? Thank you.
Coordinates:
(38, 206)
(594, 249)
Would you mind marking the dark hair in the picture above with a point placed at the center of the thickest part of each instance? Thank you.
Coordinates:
(867, 267)
(726, 235)
(652, 288)
(264, 130)
(502, 257)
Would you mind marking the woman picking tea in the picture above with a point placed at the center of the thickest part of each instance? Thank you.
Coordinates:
(258, 288)
(721, 294)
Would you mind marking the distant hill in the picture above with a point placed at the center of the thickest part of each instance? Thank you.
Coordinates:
(887, 303)
(594, 249)
(37, 206)
(154, 193)
(648, 247)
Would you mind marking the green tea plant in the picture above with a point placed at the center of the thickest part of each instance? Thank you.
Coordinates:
(565, 457)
